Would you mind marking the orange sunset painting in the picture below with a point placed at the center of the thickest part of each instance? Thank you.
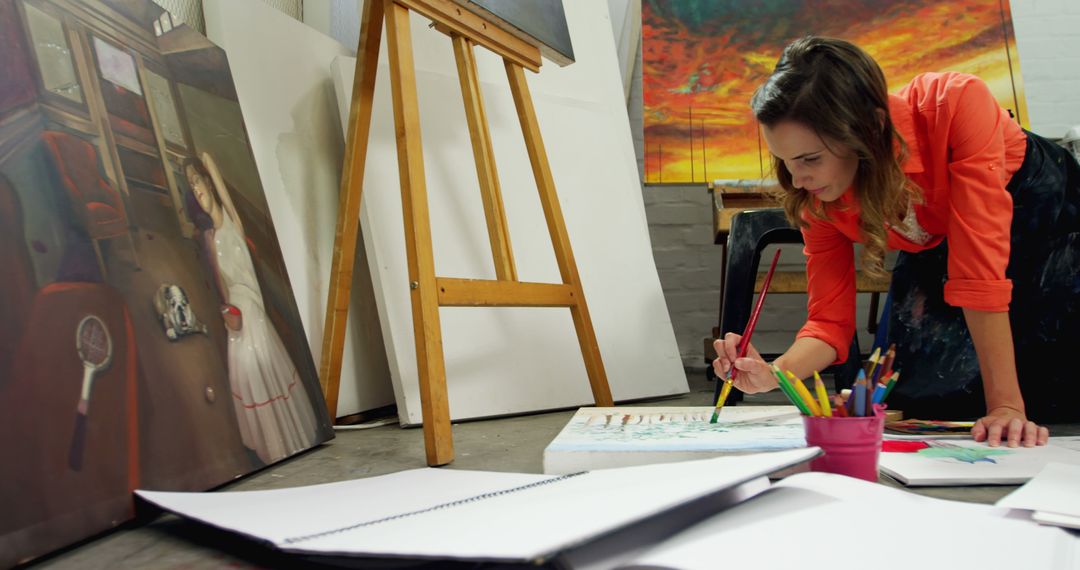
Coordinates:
(702, 60)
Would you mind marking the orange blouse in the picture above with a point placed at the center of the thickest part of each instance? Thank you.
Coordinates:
(962, 150)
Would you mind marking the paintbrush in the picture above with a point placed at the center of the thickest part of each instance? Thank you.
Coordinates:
(744, 344)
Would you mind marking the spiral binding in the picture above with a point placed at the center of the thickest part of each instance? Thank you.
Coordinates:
(481, 497)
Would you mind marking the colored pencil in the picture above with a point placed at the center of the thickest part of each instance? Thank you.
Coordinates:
(879, 393)
(788, 391)
(744, 344)
(851, 396)
(841, 411)
(859, 395)
(886, 364)
(875, 359)
(803, 393)
(892, 382)
(822, 395)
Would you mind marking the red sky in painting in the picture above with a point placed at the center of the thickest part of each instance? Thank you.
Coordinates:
(703, 59)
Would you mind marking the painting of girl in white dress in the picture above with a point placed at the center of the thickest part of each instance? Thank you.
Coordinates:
(272, 406)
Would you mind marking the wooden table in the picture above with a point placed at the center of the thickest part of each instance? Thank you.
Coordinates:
(730, 200)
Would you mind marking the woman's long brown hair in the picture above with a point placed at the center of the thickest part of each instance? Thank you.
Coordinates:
(838, 91)
(199, 217)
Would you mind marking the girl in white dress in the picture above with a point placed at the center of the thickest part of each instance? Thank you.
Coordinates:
(272, 406)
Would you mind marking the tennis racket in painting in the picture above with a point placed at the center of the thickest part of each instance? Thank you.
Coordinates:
(94, 347)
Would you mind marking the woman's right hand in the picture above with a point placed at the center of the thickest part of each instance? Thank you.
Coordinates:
(752, 375)
(234, 320)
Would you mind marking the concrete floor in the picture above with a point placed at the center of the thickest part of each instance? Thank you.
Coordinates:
(505, 444)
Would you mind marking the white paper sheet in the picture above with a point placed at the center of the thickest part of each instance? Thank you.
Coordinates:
(1055, 490)
(1055, 519)
(818, 520)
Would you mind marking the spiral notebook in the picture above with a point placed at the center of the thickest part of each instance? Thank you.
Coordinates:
(446, 514)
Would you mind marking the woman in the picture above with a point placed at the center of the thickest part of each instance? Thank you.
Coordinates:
(985, 290)
(273, 409)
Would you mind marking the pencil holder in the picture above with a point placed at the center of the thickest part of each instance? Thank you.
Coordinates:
(851, 444)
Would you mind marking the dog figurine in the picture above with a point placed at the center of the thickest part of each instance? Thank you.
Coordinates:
(171, 303)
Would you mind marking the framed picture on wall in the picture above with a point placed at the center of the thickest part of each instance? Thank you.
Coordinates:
(52, 51)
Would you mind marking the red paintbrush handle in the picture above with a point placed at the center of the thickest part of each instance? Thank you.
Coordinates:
(744, 344)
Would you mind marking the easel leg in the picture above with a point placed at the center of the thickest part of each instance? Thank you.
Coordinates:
(438, 439)
(348, 222)
(498, 232)
(560, 239)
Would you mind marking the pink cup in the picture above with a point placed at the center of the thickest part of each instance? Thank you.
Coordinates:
(851, 445)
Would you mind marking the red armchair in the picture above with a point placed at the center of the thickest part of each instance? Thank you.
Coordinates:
(97, 205)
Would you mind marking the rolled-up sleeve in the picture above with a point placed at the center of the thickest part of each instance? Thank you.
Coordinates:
(980, 206)
(830, 288)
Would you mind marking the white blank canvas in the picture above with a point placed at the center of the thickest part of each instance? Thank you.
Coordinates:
(512, 360)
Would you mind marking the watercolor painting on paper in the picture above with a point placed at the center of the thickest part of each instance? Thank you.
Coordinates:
(966, 462)
(739, 428)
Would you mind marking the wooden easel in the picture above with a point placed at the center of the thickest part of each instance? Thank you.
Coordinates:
(466, 29)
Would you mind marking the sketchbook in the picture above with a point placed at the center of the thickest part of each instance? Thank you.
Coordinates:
(600, 438)
(972, 463)
(446, 514)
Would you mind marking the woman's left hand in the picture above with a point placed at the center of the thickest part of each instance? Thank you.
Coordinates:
(1010, 426)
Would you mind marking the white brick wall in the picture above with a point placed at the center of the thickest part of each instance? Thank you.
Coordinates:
(680, 222)
(1048, 42)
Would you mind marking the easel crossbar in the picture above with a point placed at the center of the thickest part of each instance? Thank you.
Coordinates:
(455, 292)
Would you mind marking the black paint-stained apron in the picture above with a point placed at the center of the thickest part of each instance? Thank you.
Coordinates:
(939, 369)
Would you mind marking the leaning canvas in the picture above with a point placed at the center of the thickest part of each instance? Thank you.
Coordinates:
(621, 436)
(148, 332)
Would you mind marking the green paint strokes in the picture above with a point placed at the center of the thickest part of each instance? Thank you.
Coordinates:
(963, 454)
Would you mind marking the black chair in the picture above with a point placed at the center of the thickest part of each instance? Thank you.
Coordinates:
(751, 231)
